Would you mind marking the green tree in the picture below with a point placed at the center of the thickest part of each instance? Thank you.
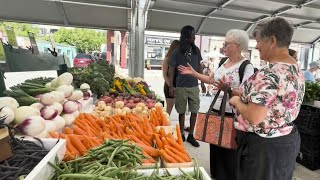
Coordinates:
(84, 39)
(21, 29)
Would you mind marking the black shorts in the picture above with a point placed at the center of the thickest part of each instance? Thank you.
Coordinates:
(166, 91)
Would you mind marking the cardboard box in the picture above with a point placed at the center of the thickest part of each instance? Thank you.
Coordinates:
(6, 150)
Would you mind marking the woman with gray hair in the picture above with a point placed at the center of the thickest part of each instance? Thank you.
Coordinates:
(227, 78)
(268, 103)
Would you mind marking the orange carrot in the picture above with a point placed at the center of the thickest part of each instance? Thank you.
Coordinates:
(158, 141)
(180, 141)
(78, 130)
(53, 134)
(148, 149)
(173, 155)
(162, 132)
(181, 154)
(177, 146)
(68, 130)
(135, 139)
(63, 136)
(164, 141)
(71, 148)
(167, 157)
(78, 144)
(148, 157)
(86, 142)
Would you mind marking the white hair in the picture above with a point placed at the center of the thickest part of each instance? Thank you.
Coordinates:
(239, 36)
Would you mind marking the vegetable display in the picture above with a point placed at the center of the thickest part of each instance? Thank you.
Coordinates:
(90, 131)
(114, 159)
(57, 102)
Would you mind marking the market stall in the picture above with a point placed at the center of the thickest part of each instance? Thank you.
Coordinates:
(124, 133)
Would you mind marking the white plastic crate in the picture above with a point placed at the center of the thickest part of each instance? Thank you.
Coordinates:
(175, 171)
(43, 170)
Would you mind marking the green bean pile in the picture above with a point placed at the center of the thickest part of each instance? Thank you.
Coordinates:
(114, 160)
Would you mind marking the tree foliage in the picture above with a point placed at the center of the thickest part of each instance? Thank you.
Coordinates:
(84, 39)
(20, 29)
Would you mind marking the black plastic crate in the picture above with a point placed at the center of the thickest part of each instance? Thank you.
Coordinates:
(309, 119)
(309, 160)
(309, 142)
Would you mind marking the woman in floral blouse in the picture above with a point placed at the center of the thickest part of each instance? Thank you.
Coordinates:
(269, 101)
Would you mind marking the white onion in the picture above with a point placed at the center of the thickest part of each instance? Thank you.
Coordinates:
(8, 113)
(76, 95)
(59, 122)
(25, 112)
(48, 113)
(49, 98)
(70, 107)
(38, 106)
(32, 126)
(58, 107)
(69, 119)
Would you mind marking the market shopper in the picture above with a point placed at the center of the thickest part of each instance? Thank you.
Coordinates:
(227, 79)
(293, 54)
(187, 90)
(268, 103)
(309, 75)
(165, 67)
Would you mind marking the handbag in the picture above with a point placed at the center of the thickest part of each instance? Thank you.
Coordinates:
(216, 129)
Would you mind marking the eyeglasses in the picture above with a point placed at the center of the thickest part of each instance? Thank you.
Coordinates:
(228, 43)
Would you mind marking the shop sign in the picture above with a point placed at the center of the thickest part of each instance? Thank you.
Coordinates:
(11, 36)
(158, 41)
(2, 54)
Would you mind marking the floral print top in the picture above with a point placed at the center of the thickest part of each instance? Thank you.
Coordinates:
(279, 87)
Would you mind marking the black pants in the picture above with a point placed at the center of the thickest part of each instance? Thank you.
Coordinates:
(222, 160)
(261, 158)
(222, 163)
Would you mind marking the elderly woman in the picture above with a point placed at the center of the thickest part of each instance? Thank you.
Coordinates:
(268, 103)
(226, 78)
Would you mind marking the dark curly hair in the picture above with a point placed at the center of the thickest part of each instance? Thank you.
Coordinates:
(185, 35)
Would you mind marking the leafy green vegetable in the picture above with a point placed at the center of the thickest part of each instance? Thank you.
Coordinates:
(312, 92)
(99, 75)
(40, 80)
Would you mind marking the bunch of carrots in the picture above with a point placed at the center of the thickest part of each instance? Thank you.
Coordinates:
(90, 131)
(157, 118)
(170, 149)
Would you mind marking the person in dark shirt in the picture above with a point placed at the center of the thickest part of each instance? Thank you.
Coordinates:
(187, 90)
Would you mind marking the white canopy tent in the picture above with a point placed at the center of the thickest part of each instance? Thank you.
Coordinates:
(209, 17)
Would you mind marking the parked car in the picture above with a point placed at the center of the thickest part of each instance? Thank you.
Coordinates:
(82, 60)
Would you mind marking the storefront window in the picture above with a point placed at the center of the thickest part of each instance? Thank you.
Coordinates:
(154, 52)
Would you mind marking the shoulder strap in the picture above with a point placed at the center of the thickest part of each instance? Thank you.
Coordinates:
(222, 61)
(242, 68)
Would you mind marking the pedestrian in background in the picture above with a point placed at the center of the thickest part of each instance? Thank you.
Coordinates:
(165, 67)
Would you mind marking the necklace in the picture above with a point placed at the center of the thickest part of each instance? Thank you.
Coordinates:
(187, 54)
